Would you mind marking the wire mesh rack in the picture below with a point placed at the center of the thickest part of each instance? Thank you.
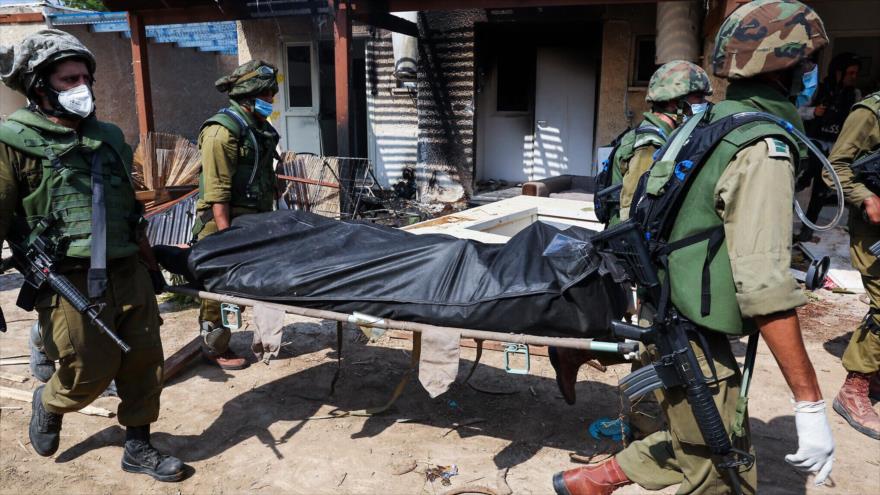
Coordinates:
(341, 187)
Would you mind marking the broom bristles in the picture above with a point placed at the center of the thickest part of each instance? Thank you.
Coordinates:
(163, 160)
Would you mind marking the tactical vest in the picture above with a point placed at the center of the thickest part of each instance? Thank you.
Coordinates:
(609, 182)
(253, 182)
(871, 102)
(675, 204)
(64, 194)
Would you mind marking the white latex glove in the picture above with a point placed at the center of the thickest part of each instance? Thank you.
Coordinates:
(815, 452)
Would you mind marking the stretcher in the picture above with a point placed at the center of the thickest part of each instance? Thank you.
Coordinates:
(514, 343)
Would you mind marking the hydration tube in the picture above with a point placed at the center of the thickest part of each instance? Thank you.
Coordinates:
(838, 189)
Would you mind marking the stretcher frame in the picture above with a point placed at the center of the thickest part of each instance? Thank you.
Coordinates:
(627, 348)
(368, 321)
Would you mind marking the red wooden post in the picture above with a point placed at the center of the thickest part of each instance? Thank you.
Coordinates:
(342, 56)
(140, 65)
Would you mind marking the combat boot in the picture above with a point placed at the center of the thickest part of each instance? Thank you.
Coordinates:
(566, 363)
(42, 368)
(139, 456)
(217, 337)
(595, 479)
(45, 428)
(853, 404)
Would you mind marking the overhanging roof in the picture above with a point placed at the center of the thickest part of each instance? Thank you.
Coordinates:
(159, 11)
(155, 11)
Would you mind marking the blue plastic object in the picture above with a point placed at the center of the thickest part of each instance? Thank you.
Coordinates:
(614, 429)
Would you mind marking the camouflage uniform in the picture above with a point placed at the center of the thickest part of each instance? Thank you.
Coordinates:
(56, 160)
(672, 81)
(859, 136)
(757, 246)
(88, 360)
(228, 164)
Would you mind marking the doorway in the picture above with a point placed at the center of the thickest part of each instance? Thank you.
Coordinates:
(536, 100)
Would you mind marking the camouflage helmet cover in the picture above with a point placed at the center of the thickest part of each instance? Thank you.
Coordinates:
(766, 36)
(677, 79)
(250, 78)
(20, 65)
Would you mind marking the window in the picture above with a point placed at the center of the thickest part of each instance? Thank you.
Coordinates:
(644, 65)
(299, 76)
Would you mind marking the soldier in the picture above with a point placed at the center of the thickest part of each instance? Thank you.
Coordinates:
(742, 191)
(860, 136)
(677, 90)
(53, 155)
(238, 178)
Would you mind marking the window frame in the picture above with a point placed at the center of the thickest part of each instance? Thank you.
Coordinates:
(637, 40)
(314, 108)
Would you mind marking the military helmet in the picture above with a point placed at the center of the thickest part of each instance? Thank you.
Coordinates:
(677, 79)
(250, 78)
(766, 36)
(21, 66)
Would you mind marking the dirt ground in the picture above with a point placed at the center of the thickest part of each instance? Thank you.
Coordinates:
(258, 430)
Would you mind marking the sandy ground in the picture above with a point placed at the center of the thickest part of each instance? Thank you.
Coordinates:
(256, 430)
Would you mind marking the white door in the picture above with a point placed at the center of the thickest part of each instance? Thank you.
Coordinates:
(300, 127)
(505, 132)
(565, 89)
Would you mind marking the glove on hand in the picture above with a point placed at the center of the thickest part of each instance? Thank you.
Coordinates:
(815, 452)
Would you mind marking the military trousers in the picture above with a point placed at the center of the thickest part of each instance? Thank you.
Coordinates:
(88, 360)
(862, 354)
(679, 455)
(210, 310)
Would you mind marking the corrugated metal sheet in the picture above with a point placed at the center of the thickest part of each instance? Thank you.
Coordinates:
(173, 225)
(206, 36)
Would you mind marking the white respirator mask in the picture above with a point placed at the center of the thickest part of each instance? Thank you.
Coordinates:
(78, 101)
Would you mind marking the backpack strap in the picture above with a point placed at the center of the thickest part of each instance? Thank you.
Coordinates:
(691, 148)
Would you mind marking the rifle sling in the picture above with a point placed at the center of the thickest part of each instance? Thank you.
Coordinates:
(97, 276)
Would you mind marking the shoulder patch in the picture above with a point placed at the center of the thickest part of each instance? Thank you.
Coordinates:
(777, 148)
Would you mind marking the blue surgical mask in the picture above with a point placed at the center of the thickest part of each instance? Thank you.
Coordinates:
(699, 107)
(810, 81)
(263, 108)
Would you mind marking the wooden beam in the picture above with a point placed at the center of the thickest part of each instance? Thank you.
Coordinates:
(27, 396)
(342, 59)
(390, 22)
(180, 359)
(21, 18)
(141, 68)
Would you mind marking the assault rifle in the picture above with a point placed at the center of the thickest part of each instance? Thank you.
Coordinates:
(35, 261)
(867, 171)
(677, 365)
(605, 201)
